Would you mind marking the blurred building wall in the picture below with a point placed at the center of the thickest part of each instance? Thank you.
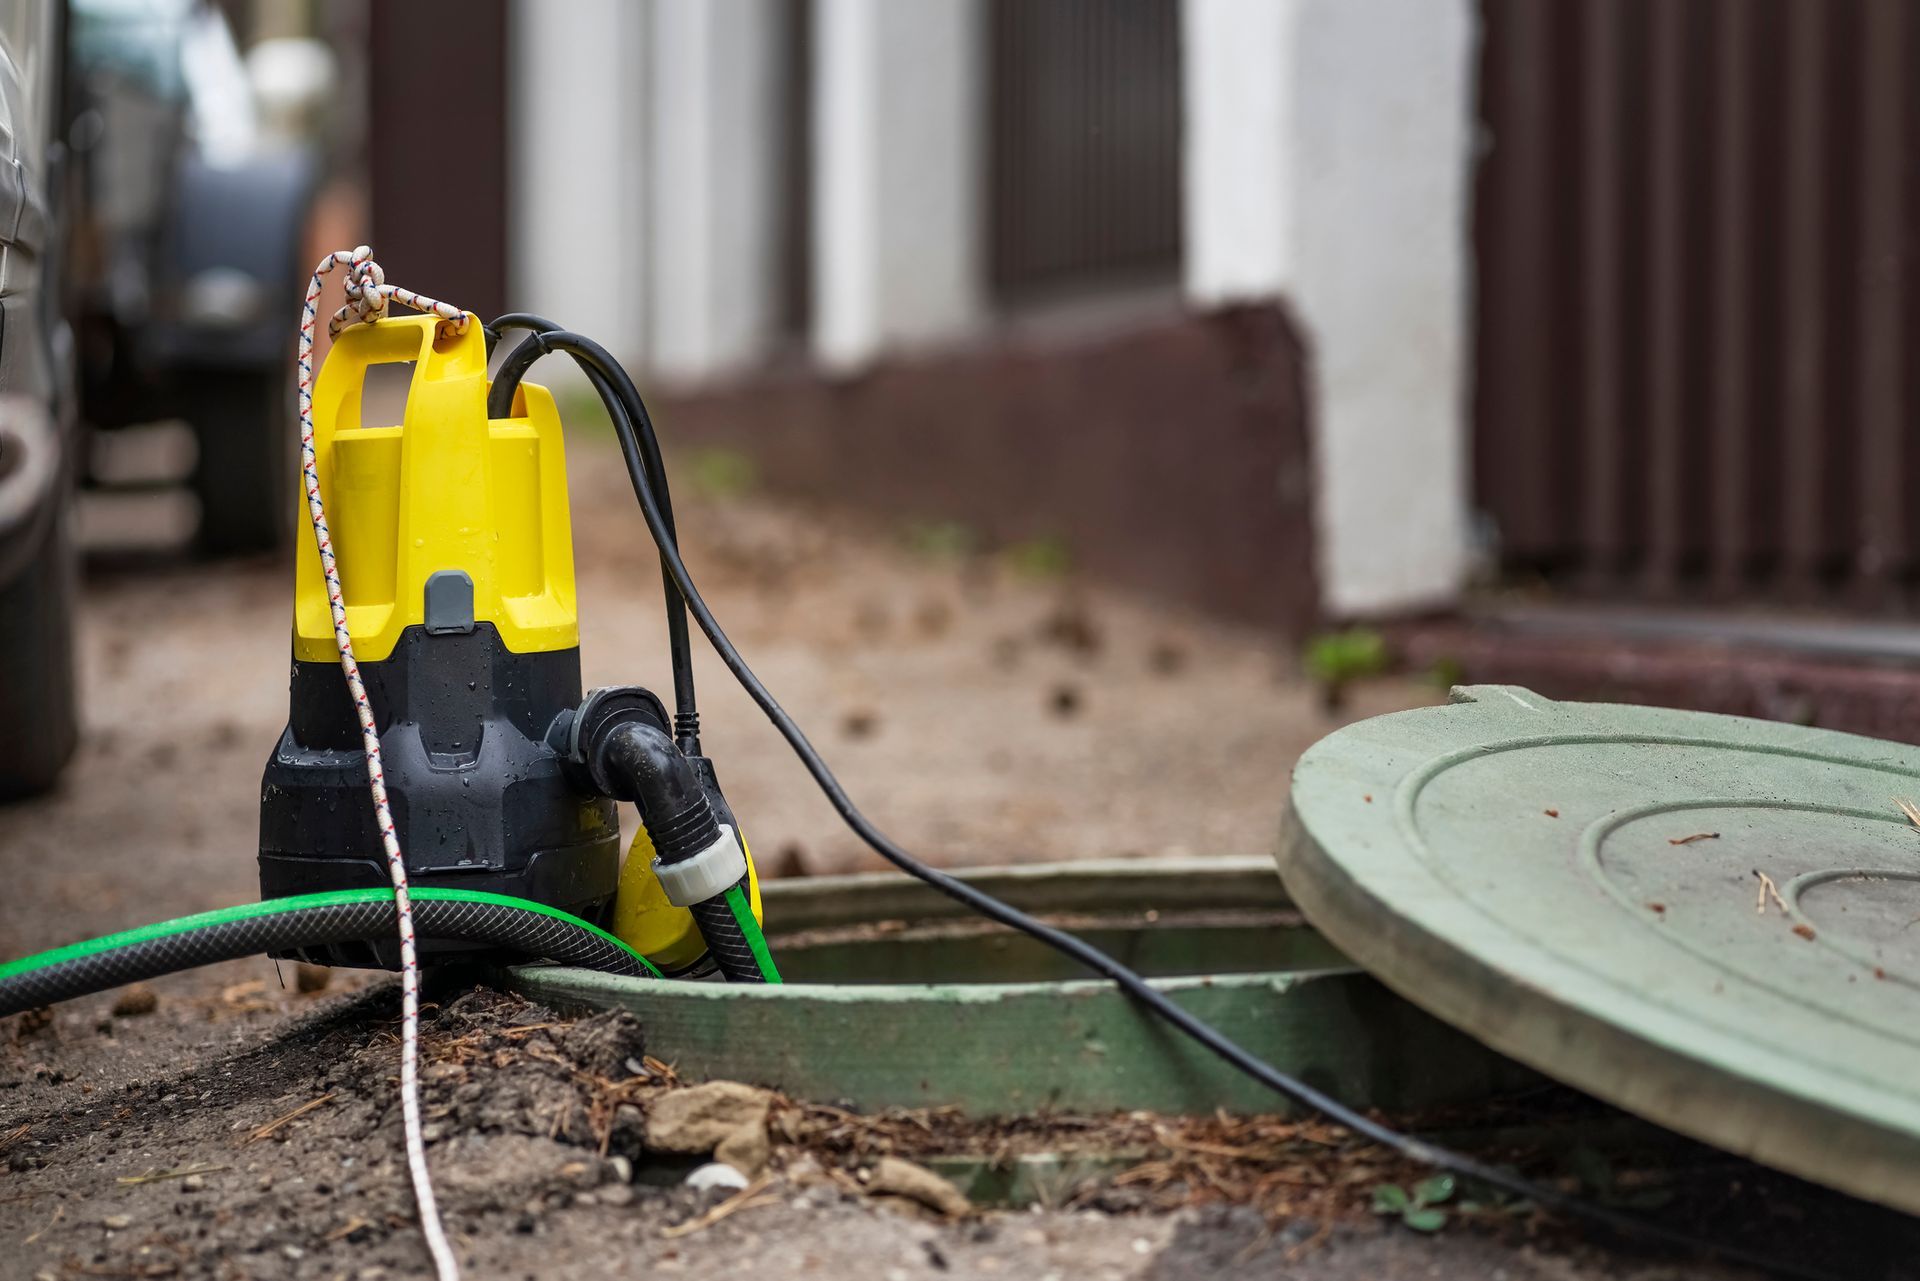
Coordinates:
(436, 165)
(715, 165)
(896, 218)
(738, 191)
(1328, 164)
(578, 155)
(1697, 298)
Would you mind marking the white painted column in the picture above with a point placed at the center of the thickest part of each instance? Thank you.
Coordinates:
(715, 225)
(1329, 154)
(898, 253)
(576, 253)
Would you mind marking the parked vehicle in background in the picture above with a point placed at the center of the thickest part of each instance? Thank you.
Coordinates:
(39, 441)
(151, 232)
(188, 244)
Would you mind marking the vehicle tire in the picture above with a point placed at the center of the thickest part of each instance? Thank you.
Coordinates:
(39, 703)
(244, 479)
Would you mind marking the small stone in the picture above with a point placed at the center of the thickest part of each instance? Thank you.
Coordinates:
(618, 1194)
(586, 1198)
(725, 1118)
(747, 1148)
(115, 1222)
(194, 1183)
(716, 1174)
(805, 1171)
(1073, 627)
(933, 617)
(621, 1167)
(892, 1176)
(1065, 701)
(789, 860)
(135, 999)
(872, 618)
(293, 1251)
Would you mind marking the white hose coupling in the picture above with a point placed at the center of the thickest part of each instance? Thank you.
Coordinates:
(708, 874)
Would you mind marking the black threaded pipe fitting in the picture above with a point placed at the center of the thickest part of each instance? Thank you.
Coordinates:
(682, 835)
(632, 757)
(636, 761)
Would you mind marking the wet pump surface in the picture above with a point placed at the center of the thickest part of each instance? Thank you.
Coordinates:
(983, 715)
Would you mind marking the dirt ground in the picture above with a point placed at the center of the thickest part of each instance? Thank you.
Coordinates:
(269, 1145)
(980, 713)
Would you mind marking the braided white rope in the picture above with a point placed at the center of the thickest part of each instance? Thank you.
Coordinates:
(367, 295)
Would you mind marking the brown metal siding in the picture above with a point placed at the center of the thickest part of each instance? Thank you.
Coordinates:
(1043, 433)
(1694, 253)
(437, 120)
(1084, 141)
(794, 22)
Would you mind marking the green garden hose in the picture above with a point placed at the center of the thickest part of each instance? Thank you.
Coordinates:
(742, 911)
(277, 925)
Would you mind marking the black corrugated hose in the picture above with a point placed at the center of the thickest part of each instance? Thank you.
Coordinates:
(340, 916)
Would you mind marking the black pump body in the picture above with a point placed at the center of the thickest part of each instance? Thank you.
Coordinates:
(480, 799)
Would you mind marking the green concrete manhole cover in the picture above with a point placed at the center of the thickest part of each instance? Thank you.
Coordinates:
(1580, 886)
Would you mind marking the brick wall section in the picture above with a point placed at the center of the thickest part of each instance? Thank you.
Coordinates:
(1170, 455)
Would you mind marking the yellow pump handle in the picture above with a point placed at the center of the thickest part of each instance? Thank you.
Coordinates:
(444, 489)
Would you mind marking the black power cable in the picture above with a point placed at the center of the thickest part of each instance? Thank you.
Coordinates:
(649, 472)
(629, 414)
